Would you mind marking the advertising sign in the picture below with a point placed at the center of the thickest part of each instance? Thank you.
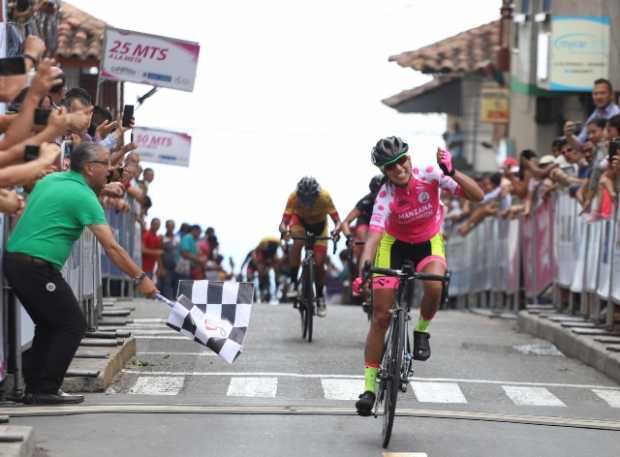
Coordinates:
(149, 59)
(494, 104)
(578, 53)
(163, 146)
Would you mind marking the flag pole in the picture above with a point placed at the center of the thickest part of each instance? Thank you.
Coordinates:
(161, 298)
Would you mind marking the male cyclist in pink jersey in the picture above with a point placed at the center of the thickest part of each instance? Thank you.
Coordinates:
(406, 226)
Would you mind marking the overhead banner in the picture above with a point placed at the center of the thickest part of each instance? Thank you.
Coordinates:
(578, 53)
(163, 146)
(149, 59)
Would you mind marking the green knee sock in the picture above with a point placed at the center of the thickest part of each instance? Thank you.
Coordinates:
(370, 379)
(422, 325)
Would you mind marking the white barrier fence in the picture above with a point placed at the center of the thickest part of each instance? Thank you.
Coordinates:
(555, 246)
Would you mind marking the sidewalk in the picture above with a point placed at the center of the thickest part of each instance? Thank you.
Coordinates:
(101, 356)
(576, 337)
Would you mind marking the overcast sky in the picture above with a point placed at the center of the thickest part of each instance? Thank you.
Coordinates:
(284, 89)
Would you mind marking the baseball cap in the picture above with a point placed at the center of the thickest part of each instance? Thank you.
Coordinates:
(510, 162)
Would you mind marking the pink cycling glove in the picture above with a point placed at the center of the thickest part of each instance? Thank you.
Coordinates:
(445, 163)
(357, 286)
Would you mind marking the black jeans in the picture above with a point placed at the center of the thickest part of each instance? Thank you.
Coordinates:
(59, 321)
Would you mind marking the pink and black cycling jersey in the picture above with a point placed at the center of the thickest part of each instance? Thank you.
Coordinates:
(413, 214)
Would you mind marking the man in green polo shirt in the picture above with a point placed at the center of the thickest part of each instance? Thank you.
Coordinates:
(58, 209)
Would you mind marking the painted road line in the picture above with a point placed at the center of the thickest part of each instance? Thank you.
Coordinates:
(352, 376)
(612, 397)
(147, 326)
(405, 454)
(532, 396)
(136, 321)
(438, 392)
(253, 387)
(157, 385)
(193, 354)
(342, 389)
(161, 332)
(157, 337)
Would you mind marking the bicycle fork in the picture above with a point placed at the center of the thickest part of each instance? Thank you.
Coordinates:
(407, 368)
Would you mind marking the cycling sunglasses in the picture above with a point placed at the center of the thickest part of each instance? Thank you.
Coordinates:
(401, 161)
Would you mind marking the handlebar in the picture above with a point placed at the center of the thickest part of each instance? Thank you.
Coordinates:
(305, 238)
(405, 273)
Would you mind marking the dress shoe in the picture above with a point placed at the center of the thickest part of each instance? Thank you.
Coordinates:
(59, 398)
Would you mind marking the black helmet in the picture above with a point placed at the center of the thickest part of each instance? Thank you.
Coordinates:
(388, 150)
(375, 184)
(307, 190)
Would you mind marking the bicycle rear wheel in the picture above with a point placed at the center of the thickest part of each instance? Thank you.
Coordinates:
(392, 361)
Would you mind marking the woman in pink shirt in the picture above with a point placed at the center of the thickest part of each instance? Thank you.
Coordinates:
(406, 226)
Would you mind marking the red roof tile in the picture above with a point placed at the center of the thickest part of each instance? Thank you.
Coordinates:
(466, 52)
(80, 35)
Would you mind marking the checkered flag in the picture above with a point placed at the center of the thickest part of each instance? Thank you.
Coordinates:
(215, 314)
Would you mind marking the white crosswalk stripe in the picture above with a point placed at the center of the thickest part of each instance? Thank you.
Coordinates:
(253, 387)
(342, 389)
(438, 392)
(611, 397)
(158, 385)
(532, 396)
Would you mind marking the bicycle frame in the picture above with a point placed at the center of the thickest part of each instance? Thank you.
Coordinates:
(307, 301)
(396, 365)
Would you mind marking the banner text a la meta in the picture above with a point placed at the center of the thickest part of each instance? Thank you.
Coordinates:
(149, 59)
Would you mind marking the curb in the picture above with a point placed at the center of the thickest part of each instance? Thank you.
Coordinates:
(581, 347)
(493, 314)
(16, 441)
(94, 374)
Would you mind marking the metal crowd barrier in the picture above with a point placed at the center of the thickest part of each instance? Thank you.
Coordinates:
(485, 266)
(554, 247)
(128, 232)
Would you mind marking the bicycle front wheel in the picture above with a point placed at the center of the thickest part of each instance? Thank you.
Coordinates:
(308, 301)
(392, 361)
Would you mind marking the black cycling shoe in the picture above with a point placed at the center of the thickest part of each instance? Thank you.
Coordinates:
(421, 346)
(365, 403)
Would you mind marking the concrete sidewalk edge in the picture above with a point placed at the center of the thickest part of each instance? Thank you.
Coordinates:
(19, 441)
(106, 369)
(580, 347)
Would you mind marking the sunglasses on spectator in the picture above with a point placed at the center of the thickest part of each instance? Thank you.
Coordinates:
(102, 162)
(392, 166)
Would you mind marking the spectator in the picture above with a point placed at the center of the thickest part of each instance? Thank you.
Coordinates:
(191, 259)
(168, 280)
(152, 248)
(602, 96)
(59, 208)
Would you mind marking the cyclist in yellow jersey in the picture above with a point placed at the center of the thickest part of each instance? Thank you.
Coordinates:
(306, 210)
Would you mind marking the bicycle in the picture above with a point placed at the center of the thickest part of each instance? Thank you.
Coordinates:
(307, 302)
(352, 267)
(396, 365)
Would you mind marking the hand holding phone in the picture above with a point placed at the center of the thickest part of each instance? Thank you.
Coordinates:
(11, 66)
(614, 147)
(127, 116)
(41, 116)
(31, 153)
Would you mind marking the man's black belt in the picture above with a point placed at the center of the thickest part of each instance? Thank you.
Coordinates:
(27, 258)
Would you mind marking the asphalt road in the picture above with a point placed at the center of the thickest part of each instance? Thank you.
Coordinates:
(486, 391)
